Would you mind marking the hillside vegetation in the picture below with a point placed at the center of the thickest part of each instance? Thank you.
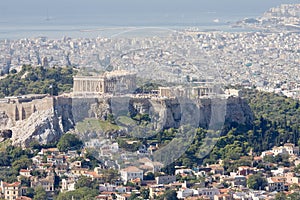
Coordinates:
(276, 119)
(276, 122)
(37, 80)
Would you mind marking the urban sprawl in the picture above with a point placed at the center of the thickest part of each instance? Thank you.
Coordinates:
(267, 58)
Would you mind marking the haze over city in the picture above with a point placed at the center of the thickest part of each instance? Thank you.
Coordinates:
(150, 100)
(20, 14)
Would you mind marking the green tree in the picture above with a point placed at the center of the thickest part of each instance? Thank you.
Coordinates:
(84, 193)
(145, 193)
(69, 142)
(4, 159)
(169, 195)
(110, 175)
(22, 163)
(25, 181)
(84, 181)
(39, 193)
(149, 176)
(29, 192)
(280, 196)
(294, 196)
(133, 196)
(294, 186)
(257, 182)
(36, 80)
(111, 119)
(269, 158)
(34, 144)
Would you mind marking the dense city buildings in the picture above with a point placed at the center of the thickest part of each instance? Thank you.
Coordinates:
(92, 143)
(267, 60)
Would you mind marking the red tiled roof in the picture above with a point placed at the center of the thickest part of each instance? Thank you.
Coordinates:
(106, 192)
(51, 149)
(23, 198)
(257, 158)
(131, 169)
(269, 153)
(94, 174)
(15, 184)
(24, 170)
(224, 191)
(289, 144)
(277, 179)
(137, 180)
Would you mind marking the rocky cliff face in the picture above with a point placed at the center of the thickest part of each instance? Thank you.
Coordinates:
(52, 117)
(168, 112)
(49, 119)
(42, 126)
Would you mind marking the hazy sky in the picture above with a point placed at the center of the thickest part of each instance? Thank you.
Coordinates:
(127, 9)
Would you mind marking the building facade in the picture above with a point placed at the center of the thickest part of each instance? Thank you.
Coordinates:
(276, 184)
(131, 173)
(11, 190)
(109, 82)
(189, 92)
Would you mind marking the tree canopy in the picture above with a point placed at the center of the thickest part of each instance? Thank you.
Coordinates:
(69, 142)
(37, 80)
(83, 193)
(257, 182)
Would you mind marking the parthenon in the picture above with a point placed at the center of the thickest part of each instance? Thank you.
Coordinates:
(109, 82)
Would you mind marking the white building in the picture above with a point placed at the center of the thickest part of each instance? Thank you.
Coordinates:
(25, 172)
(11, 191)
(183, 193)
(183, 171)
(286, 149)
(291, 149)
(67, 185)
(276, 184)
(131, 173)
(209, 192)
(107, 187)
(279, 151)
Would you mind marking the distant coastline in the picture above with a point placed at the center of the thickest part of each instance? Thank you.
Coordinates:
(92, 32)
(56, 28)
(57, 24)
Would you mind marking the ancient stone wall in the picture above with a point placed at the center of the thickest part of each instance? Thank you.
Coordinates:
(21, 109)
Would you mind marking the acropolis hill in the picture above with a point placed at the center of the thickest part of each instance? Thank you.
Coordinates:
(45, 118)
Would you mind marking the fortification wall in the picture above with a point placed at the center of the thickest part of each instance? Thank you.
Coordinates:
(21, 109)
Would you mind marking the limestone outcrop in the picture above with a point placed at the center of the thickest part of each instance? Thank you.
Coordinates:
(42, 119)
(45, 119)
(168, 112)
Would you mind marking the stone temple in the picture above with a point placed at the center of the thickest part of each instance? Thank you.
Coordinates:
(115, 82)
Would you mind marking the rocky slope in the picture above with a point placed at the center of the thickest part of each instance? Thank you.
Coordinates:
(50, 118)
(47, 123)
(168, 113)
